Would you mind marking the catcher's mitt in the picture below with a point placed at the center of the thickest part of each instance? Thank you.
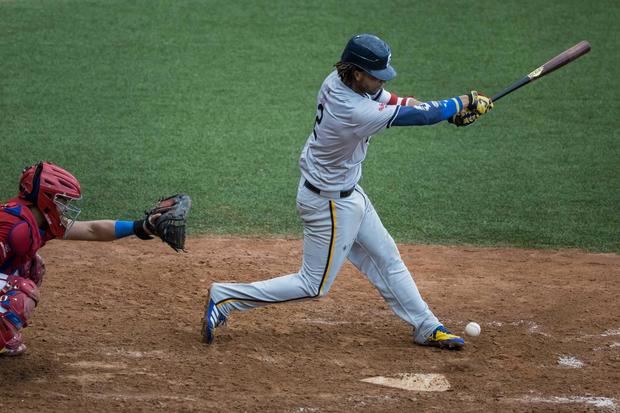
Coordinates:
(167, 220)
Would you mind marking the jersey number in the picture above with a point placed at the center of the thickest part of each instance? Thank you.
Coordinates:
(318, 119)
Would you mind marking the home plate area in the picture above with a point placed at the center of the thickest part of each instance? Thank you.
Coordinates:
(118, 329)
(413, 382)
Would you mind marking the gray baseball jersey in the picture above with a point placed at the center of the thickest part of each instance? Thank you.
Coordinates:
(345, 122)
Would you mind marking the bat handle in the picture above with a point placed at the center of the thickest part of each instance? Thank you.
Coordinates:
(516, 85)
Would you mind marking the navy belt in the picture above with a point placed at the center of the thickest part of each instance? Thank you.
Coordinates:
(343, 194)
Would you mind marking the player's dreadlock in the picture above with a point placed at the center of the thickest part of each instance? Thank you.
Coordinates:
(345, 71)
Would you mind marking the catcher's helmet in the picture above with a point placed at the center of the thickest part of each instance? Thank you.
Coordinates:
(51, 189)
(370, 54)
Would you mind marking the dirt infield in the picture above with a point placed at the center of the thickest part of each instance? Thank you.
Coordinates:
(118, 329)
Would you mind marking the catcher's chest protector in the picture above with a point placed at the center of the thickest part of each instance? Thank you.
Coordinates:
(18, 242)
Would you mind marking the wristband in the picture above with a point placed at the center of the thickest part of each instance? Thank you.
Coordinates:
(123, 229)
(139, 231)
(458, 102)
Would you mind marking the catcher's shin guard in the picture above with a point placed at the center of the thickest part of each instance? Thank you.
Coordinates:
(18, 299)
(12, 347)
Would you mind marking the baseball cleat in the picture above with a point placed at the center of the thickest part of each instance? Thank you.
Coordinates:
(212, 319)
(15, 347)
(444, 338)
(11, 352)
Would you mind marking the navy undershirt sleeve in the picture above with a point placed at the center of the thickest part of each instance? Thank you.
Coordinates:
(428, 113)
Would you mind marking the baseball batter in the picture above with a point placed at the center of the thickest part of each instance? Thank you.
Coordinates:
(45, 210)
(339, 219)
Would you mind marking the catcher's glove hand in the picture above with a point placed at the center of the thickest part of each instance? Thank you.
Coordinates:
(167, 220)
(478, 106)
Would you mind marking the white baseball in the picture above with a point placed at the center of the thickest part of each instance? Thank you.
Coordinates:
(472, 329)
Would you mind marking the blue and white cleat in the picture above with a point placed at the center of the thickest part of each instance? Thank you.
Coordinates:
(444, 338)
(212, 319)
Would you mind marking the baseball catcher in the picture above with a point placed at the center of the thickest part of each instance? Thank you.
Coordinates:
(44, 210)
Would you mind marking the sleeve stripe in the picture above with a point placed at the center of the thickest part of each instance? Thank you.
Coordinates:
(393, 99)
(459, 104)
(389, 124)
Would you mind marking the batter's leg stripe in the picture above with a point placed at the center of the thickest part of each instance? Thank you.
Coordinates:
(332, 242)
(246, 300)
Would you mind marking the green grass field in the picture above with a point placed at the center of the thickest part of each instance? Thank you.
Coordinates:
(145, 98)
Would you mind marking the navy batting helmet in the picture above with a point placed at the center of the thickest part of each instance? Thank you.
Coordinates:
(370, 54)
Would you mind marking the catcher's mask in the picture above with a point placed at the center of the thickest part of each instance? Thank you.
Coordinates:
(370, 54)
(51, 189)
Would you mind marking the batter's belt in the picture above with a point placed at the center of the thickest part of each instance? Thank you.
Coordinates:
(329, 194)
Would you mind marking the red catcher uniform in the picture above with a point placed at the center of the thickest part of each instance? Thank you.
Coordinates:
(49, 189)
(20, 238)
(21, 271)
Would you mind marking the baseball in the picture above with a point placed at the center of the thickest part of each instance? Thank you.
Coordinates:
(472, 329)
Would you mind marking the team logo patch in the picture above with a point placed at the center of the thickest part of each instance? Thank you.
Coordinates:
(381, 106)
(423, 106)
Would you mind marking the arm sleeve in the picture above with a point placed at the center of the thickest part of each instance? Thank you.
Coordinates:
(428, 113)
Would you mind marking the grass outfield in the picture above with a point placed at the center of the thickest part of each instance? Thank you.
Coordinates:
(214, 98)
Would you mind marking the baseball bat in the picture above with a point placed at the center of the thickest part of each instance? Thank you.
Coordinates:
(557, 62)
